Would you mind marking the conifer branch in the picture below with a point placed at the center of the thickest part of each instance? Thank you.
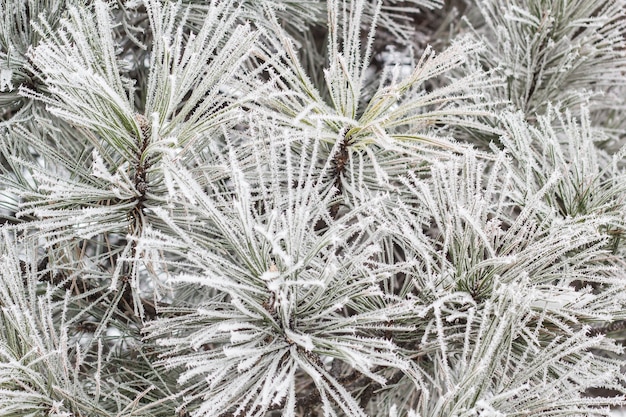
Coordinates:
(312, 208)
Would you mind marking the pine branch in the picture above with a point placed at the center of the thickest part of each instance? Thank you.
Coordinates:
(278, 207)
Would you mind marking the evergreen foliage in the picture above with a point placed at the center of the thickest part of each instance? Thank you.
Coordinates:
(312, 208)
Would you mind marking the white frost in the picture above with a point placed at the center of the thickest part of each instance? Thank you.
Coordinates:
(5, 80)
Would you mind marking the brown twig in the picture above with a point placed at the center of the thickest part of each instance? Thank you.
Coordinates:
(340, 161)
(614, 326)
